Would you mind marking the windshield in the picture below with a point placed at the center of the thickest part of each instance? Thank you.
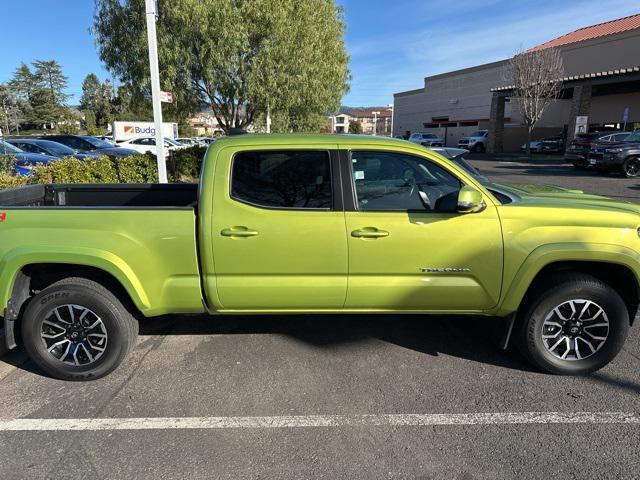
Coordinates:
(96, 142)
(7, 148)
(478, 133)
(461, 162)
(428, 135)
(634, 137)
(55, 148)
(171, 141)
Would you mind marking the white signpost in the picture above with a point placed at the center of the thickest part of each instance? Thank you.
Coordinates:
(151, 14)
(582, 123)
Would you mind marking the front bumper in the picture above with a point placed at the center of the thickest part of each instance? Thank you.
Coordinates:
(606, 161)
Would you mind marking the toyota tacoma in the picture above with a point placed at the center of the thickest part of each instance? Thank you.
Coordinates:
(316, 223)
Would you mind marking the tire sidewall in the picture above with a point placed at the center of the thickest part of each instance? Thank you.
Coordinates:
(610, 302)
(37, 311)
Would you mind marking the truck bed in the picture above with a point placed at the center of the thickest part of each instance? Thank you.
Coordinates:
(128, 196)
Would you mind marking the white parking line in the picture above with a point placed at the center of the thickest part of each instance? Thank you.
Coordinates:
(394, 420)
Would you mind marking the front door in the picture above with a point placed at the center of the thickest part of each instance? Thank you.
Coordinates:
(279, 239)
(409, 248)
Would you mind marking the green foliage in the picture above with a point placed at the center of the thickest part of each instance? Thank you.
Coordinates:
(98, 98)
(41, 92)
(69, 128)
(239, 57)
(90, 123)
(186, 163)
(355, 127)
(137, 169)
(10, 180)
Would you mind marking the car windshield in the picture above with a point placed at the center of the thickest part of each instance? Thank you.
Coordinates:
(55, 148)
(7, 148)
(96, 142)
(171, 141)
(478, 133)
(634, 137)
(428, 135)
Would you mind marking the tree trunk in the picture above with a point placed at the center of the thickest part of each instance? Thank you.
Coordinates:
(529, 141)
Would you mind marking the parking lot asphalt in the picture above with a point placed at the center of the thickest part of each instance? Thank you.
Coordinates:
(329, 397)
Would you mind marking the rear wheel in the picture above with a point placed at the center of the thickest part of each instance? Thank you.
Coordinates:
(76, 329)
(631, 167)
(574, 326)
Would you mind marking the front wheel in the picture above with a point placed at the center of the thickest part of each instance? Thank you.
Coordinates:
(575, 326)
(76, 329)
(631, 168)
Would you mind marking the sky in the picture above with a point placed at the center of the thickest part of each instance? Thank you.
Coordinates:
(393, 44)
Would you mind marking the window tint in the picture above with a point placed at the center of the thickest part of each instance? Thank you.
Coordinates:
(394, 181)
(282, 179)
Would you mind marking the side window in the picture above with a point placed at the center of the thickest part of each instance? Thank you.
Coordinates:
(23, 146)
(282, 179)
(387, 181)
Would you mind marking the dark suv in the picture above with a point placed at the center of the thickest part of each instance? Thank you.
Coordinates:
(86, 144)
(623, 157)
(580, 148)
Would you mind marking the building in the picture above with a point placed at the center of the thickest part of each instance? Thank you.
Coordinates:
(205, 124)
(602, 82)
(373, 120)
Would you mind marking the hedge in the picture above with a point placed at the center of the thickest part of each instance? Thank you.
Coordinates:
(182, 165)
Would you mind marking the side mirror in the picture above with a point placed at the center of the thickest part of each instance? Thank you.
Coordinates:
(470, 200)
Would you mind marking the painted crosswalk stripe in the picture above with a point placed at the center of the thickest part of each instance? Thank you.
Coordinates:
(310, 421)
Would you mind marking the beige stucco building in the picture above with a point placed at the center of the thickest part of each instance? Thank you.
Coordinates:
(602, 79)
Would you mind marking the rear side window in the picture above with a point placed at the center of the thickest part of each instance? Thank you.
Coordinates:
(282, 179)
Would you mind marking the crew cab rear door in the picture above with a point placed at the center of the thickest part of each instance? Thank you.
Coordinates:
(409, 248)
(278, 231)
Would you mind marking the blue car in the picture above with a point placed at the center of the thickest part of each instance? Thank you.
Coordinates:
(24, 161)
(47, 147)
(89, 144)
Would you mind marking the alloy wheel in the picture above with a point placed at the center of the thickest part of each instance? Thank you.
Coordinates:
(632, 167)
(74, 335)
(575, 329)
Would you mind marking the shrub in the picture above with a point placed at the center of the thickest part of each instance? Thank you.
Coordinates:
(10, 180)
(185, 163)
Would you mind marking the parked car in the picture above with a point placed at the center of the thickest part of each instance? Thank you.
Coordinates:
(426, 139)
(187, 141)
(48, 147)
(148, 144)
(274, 227)
(622, 156)
(476, 142)
(24, 161)
(553, 144)
(581, 146)
(87, 143)
(535, 146)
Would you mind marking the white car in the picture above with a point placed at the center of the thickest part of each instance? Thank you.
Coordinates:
(189, 142)
(148, 144)
(476, 142)
(536, 146)
(426, 139)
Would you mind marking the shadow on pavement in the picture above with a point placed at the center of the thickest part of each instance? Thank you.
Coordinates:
(472, 338)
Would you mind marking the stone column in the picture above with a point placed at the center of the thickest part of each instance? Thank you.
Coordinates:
(580, 105)
(495, 143)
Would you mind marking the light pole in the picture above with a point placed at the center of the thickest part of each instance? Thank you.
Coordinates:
(151, 10)
(375, 122)
(392, 113)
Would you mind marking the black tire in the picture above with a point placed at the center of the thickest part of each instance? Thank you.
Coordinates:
(542, 303)
(120, 326)
(478, 147)
(631, 167)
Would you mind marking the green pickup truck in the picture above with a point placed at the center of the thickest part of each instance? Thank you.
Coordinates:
(316, 223)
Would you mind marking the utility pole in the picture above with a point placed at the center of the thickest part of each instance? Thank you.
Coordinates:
(268, 119)
(375, 122)
(151, 9)
(392, 114)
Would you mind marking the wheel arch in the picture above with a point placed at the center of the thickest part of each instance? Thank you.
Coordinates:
(23, 273)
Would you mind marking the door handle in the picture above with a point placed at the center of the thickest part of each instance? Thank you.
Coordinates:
(238, 232)
(369, 232)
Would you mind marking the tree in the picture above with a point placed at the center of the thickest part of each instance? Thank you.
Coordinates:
(49, 76)
(10, 110)
(537, 80)
(97, 97)
(355, 127)
(239, 57)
